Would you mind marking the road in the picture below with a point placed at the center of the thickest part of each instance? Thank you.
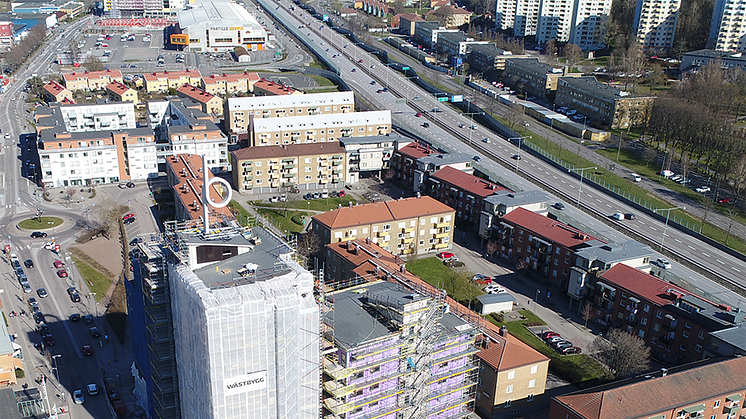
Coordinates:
(405, 99)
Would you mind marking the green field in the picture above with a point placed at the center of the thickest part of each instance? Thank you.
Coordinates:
(96, 281)
(40, 223)
(456, 282)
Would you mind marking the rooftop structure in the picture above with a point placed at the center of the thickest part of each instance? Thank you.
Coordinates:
(185, 178)
(91, 80)
(268, 88)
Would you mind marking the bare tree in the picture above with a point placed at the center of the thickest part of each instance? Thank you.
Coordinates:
(738, 174)
(93, 63)
(573, 54)
(512, 117)
(442, 14)
(108, 213)
(492, 247)
(308, 244)
(621, 353)
(586, 313)
(69, 194)
(551, 50)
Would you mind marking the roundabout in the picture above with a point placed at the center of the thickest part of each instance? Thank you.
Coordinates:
(40, 223)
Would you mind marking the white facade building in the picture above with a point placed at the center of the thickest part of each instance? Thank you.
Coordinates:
(319, 128)
(220, 26)
(655, 21)
(588, 26)
(246, 343)
(728, 27)
(99, 116)
(526, 17)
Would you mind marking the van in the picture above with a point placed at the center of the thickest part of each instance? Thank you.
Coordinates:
(636, 177)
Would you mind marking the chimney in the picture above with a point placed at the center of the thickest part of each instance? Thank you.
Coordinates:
(503, 331)
(367, 240)
(403, 269)
(664, 372)
(357, 250)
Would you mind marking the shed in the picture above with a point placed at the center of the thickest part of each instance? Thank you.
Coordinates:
(242, 56)
(495, 303)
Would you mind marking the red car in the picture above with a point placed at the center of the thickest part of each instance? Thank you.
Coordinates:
(547, 335)
(418, 114)
(62, 273)
(445, 255)
(723, 200)
(87, 351)
(126, 216)
(341, 194)
(482, 279)
(58, 264)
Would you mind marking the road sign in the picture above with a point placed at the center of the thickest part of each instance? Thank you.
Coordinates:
(457, 98)
(405, 68)
(443, 99)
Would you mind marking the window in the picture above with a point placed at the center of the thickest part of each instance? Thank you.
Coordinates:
(530, 398)
(682, 347)
(658, 314)
(509, 389)
(656, 327)
(716, 405)
(685, 333)
(687, 325)
(701, 334)
(511, 375)
(698, 348)
(532, 384)
(507, 403)
(534, 369)
(641, 334)
(646, 308)
(644, 321)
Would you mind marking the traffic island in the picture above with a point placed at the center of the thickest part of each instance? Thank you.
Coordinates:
(40, 223)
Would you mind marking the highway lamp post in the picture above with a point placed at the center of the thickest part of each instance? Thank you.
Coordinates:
(665, 227)
(54, 367)
(471, 122)
(580, 183)
(663, 165)
(520, 143)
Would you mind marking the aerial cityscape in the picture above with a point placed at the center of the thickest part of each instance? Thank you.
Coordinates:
(373, 209)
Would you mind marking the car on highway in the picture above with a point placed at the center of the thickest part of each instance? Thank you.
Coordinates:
(461, 125)
(62, 273)
(75, 317)
(42, 293)
(445, 256)
(372, 82)
(477, 158)
(94, 331)
(724, 200)
(87, 319)
(663, 263)
(559, 205)
(418, 114)
(58, 264)
(38, 234)
(629, 216)
(86, 350)
(486, 140)
(516, 156)
(78, 397)
(28, 263)
(617, 216)
(703, 189)
(49, 340)
(425, 125)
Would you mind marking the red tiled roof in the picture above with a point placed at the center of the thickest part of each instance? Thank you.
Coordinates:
(155, 76)
(220, 78)
(508, 352)
(410, 17)
(647, 398)
(54, 88)
(547, 228)
(118, 88)
(195, 93)
(467, 182)
(274, 88)
(381, 211)
(92, 74)
(641, 283)
(415, 151)
(187, 170)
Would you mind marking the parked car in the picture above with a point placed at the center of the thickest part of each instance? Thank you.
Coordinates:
(92, 389)
(552, 339)
(563, 344)
(129, 220)
(87, 351)
(724, 200)
(75, 297)
(455, 263)
(703, 189)
(87, 319)
(75, 317)
(78, 397)
(494, 289)
(341, 193)
(94, 332)
(445, 256)
(126, 216)
(569, 350)
(549, 334)
(481, 279)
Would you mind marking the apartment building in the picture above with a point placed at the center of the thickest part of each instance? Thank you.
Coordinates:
(555, 20)
(407, 21)
(209, 103)
(350, 263)
(728, 342)
(305, 166)
(370, 154)
(705, 389)
(531, 76)
(526, 17)
(55, 92)
(610, 106)
(503, 202)
(159, 82)
(426, 33)
(402, 226)
(241, 111)
(427, 165)
(85, 117)
(185, 177)
(672, 321)
(512, 377)
(727, 27)
(227, 84)
(541, 245)
(589, 22)
(188, 130)
(505, 14)
(456, 43)
(119, 92)
(654, 24)
(461, 191)
(398, 348)
(486, 57)
(318, 128)
(456, 16)
(404, 161)
(590, 262)
(94, 80)
(270, 88)
(692, 61)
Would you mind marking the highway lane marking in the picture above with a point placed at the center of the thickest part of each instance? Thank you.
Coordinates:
(554, 176)
(677, 240)
(608, 205)
(706, 255)
(691, 247)
(719, 261)
(735, 269)
(597, 200)
(653, 228)
(641, 222)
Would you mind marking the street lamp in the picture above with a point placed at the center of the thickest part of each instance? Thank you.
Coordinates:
(536, 299)
(520, 142)
(54, 367)
(95, 310)
(668, 213)
(580, 184)
(471, 122)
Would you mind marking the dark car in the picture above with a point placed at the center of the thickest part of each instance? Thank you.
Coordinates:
(75, 297)
(425, 125)
(38, 234)
(135, 241)
(87, 319)
(87, 351)
(129, 220)
(42, 329)
(130, 184)
(75, 317)
(39, 318)
(94, 331)
(49, 340)
(477, 158)
(629, 216)
(560, 206)
(29, 263)
(71, 290)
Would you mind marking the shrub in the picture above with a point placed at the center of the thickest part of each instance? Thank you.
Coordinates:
(20, 373)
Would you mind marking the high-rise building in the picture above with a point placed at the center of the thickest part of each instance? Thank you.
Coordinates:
(728, 28)
(588, 26)
(225, 324)
(654, 25)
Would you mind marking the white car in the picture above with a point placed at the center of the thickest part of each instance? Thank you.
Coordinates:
(703, 189)
(618, 216)
(78, 397)
(494, 289)
(92, 389)
(663, 263)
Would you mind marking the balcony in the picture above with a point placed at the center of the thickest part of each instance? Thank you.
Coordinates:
(666, 339)
(670, 326)
(336, 162)
(442, 225)
(289, 166)
(288, 175)
(631, 322)
(442, 235)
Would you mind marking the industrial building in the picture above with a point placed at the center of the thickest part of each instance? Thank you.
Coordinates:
(224, 325)
(217, 26)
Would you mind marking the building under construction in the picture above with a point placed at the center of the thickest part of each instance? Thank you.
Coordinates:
(224, 325)
(392, 351)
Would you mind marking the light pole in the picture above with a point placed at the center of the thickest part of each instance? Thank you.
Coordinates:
(54, 367)
(95, 309)
(520, 142)
(536, 299)
(668, 213)
(663, 165)
(580, 184)
(471, 122)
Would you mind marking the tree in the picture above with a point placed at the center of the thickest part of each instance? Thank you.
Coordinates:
(442, 14)
(109, 214)
(657, 77)
(587, 312)
(69, 193)
(551, 49)
(308, 244)
(621, 353)
(492, 247)
(573, 54)
(93, 63)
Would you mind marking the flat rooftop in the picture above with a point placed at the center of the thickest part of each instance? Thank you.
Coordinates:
(514, 199)
(592, 86)
(533, 65)
(615, 252)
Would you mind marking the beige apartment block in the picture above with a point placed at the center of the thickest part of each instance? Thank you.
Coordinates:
(209, 103)
(94, 80)
(318, 128)
(240, 111)
(160, 82)
(305, 166)
(402, 226)
(119, 92)
(221, 84)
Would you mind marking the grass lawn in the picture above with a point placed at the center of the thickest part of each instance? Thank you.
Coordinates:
(456, 282)
(240, 212)
(284, 222)
(40, 224)
(578, 369)
(327, 204)
(322, 81)
(97, 282)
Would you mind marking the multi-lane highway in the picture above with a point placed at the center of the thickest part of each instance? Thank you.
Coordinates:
(405, 100)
